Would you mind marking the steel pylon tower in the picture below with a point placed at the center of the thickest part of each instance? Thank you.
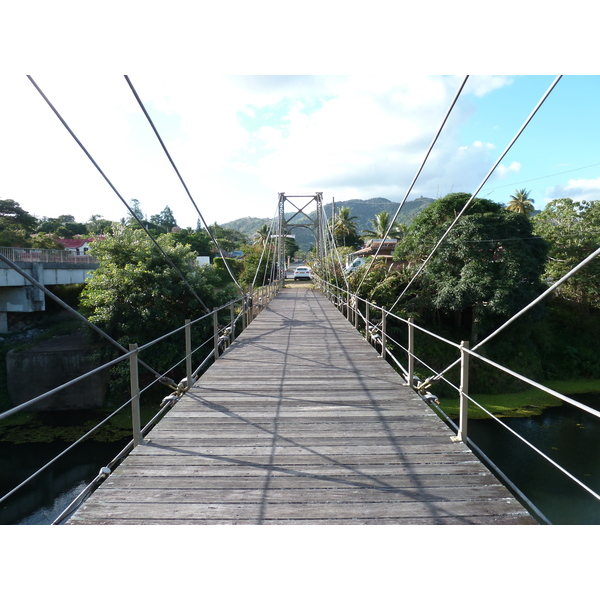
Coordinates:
(285, 225)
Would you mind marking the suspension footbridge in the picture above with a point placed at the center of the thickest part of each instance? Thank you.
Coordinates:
(299, 418)
(300, 421)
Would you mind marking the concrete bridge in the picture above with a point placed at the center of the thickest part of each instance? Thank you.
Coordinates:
(47, 267)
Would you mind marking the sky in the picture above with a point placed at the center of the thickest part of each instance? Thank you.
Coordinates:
(248, 104)
(237, 141)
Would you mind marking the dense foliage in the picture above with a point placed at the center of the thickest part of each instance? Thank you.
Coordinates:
(136, 296)
(490, 265)
(573, 232)
(495, 261)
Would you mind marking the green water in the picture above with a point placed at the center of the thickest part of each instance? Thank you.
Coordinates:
(571, 438)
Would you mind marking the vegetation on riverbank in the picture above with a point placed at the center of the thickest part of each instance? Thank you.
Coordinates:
(70, 426)
(528, 403)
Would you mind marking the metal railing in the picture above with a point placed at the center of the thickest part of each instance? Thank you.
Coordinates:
(234, 316)
(377, 332)
(30, 255)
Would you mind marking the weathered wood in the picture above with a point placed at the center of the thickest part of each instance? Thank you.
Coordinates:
(301, 422)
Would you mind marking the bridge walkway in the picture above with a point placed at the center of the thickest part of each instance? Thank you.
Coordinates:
(301, 422)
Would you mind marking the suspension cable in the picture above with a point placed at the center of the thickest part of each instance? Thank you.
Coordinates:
(545, 96)
(116, 192)
(267, 239)
(77, 314)
(554, 286)
(330, 227)
(185, 187)
(433, 142)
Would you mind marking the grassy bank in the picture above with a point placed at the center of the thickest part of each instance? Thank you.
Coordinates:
(528, 403)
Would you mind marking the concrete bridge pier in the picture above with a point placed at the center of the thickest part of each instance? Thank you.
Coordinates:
(18, 294)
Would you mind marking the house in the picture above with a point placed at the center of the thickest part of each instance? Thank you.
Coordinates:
(385, 247)
(78, 246)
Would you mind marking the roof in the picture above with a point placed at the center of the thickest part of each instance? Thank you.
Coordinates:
(74, 243)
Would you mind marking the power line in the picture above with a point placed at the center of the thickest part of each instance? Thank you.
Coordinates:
(437, 135)
(468, 203)
(498, 187)
(58, 115)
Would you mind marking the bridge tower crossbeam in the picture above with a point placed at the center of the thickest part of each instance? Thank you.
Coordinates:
(285, 225)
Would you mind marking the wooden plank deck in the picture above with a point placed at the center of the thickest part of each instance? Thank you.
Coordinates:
(300, 422)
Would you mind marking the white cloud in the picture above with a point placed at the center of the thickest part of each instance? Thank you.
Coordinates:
(237, 142)
(482, 85)
(576, 189)
(503, 170)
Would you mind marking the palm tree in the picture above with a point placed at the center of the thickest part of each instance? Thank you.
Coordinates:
(380, 225)
(262, 234)
(344, 229)
(521, 203)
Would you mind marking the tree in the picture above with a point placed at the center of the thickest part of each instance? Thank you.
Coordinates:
(257, 266)
(262, 234)
(48, 241)
(573, 232)
(198, 240)
(521, 203)
(98, 225)
(165, 220)
(490, 265)
(137, 210)
(63, 226)
(345, 229)
(16, 225)
(228, 239)
(12, 215)
(290, 246)
(131, 221)
(135, 296)
(380, 225)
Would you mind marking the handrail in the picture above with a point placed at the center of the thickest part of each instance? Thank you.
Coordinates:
(44, 255)
(223, 335)
(343, 303)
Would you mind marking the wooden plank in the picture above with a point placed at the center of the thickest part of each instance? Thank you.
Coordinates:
(301, 422)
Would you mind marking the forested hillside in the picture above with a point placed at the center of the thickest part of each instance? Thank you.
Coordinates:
(364, 210)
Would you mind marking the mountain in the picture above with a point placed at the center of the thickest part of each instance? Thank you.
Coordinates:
(246, 225)
(365, 210)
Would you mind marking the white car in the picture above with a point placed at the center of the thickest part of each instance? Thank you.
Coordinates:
(302, 273)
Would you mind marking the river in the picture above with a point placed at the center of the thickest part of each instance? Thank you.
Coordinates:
(571, 438)
(567, 435)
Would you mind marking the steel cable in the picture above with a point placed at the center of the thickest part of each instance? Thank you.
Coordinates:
(185, 187)
(446, 233)
(433, 142)
(116, 192)
(77, 314)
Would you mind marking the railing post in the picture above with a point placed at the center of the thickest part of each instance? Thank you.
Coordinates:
(411, 352)
(216, 333)
(463, 418)
(356, 311)
(244, 308)
(367, 319)
(135, 395)
(232, 321)
(188, 353)
(251, 306)
(383, 331)
(348, 304)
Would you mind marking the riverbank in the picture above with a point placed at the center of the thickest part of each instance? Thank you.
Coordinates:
(529, 403)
